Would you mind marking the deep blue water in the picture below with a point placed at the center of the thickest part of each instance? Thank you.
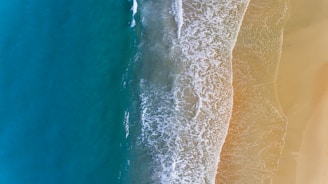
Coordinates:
(62, 100)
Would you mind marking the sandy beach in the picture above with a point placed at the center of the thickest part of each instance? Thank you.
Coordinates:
(273, 85)
(312, 164)
(257, 128)
(302, 88)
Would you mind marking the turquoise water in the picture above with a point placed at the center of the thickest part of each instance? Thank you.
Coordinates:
(62, 100)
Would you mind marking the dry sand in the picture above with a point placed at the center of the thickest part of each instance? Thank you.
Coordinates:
(303, 93)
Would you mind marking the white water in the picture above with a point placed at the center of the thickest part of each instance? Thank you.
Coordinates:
(178, 13)
(134, 10)
(126, 124)
(185, 113)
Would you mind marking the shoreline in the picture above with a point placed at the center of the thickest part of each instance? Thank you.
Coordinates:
(254, 142)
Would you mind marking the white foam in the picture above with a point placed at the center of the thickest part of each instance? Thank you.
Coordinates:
(126, 123)
(184, 126)
(134, 10)
(178, 13)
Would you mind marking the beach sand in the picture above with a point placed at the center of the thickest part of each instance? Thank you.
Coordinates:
(257, 128)
(273, 85)
(303, 92)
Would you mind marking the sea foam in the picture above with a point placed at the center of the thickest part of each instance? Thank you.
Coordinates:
(178, 13)
(126, 124)
(134, 10)
(186, 86)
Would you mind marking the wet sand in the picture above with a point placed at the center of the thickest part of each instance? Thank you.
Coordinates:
(302, 89)
(257, 128)
(272, 86)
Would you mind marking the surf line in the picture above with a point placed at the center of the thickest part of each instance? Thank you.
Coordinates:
(178, 13)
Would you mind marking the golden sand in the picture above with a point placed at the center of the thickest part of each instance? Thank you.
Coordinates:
(303, 92)
(255, 138)
(260, 148)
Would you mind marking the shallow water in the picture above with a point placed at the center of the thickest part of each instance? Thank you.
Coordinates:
(184, 87)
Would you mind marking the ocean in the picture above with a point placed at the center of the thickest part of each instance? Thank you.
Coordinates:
(106, 92)
(62, 101)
